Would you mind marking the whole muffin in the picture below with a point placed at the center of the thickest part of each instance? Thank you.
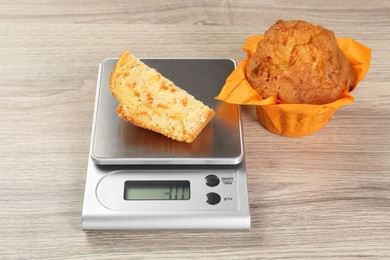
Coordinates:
(300, 63)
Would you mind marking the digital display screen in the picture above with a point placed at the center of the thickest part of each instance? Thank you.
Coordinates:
(157, 190)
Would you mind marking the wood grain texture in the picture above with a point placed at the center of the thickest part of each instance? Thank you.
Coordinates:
(326, 195)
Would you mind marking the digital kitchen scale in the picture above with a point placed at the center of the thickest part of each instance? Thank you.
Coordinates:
(139, 179)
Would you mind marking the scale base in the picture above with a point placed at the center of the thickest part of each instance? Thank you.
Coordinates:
(232, 213)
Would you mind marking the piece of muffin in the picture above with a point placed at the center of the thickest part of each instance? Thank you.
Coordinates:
(149, 100)
(299, 63)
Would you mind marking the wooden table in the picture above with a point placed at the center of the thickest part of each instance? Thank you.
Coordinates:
(326, 195)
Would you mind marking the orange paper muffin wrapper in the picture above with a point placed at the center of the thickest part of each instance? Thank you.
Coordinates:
(294, 120)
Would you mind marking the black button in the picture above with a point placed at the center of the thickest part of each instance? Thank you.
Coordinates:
(212, 180)
(213, 198)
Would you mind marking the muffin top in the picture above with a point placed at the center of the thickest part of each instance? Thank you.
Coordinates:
(299, 63)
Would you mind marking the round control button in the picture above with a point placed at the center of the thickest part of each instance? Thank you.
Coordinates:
(213, 198)
(212, 180)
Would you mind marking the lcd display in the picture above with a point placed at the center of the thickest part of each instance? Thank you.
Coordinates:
(157, 190)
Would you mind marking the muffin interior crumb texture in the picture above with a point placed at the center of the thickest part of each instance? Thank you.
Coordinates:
(298, 62)
(149, 100)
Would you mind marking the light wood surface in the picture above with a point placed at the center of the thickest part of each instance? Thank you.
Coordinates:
(326, 195)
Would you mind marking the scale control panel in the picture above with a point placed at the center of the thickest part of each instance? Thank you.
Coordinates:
(170, 198)
(169, 190)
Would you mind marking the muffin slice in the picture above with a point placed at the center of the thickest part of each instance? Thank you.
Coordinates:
(149, 100)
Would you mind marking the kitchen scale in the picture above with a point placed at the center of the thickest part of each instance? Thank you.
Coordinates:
(139, 179)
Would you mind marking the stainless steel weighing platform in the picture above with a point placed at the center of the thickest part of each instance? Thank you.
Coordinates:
(138, 179)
